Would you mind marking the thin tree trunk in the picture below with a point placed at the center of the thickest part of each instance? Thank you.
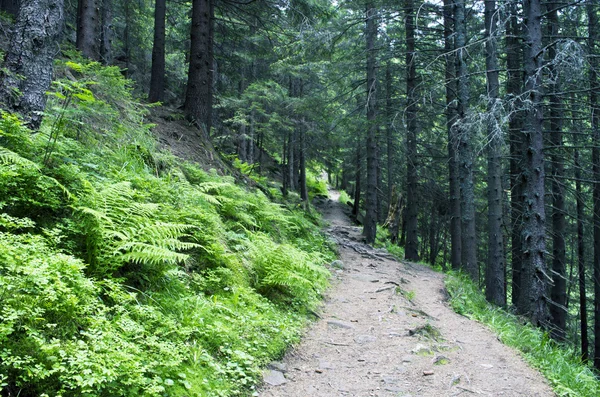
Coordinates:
(198, 97)
(370, 223)
(411, 250)
(515, 124)
(106, 33)
(494, 280)
(157, 74)
(532, 298)
(465, 148)
(303, 187)
(88, 29)
(28, 66)
(581, 255)
(454, 182)
(389, 133)
(357, 178)
(594, 37)
(558, 293)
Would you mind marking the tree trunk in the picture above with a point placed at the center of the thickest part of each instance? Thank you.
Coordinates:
(465, 148)
(28, 66)
(532, 298)
(594, 37)
(303, 187)
(198, 97)
(106, 33)
(494, 276)
(454, 182)
(88, 29)
(157, 75)
(411, 249)
(370, 222)
(389, 133)
(558, 293)
(581, 255)
(514, 84)
(357, 178)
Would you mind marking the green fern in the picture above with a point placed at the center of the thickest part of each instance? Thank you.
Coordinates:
(120, 230)
(284, 269)
(10, 157)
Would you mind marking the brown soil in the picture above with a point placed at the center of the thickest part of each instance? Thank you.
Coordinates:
(387, 330)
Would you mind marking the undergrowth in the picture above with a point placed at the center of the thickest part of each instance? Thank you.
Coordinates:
(127, 272)
(560, 364)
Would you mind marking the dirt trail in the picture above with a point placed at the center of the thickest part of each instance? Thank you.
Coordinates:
(386, 330)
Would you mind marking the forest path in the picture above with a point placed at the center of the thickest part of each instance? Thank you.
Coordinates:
(386, 330)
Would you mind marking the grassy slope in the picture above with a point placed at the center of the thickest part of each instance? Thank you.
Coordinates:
(125, 271)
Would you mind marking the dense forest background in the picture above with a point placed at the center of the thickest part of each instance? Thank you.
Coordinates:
(465, 135)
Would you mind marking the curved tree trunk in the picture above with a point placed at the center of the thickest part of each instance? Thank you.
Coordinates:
(30, 58)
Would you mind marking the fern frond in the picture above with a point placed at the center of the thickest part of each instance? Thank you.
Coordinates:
(10, 157)
(143, 253)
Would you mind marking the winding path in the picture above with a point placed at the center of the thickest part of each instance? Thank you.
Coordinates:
(386, 330)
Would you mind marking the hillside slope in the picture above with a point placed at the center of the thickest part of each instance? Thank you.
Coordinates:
(127, 271)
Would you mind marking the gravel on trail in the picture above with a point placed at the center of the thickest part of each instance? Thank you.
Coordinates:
(386, 329)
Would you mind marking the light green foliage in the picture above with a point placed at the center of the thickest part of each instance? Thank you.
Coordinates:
(345, 198)
(559, 363)
(126, 272)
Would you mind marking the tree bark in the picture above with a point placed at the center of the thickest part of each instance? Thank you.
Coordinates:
(514, 56)
(532, 298)
(465, 148)
(594, 37)
(581, 254)
(106, 34)
(303, 187)
(28, 66)
(198, 98)
(88, 29)
(558, 293)
(453, 180)
(157, 74)
(411, 249)
(389, 133)
(495, 270)
(370, 222)
(357, 179)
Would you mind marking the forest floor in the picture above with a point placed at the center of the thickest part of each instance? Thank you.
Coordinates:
(386, 329)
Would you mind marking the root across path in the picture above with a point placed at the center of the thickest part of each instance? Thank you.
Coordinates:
(386, 329)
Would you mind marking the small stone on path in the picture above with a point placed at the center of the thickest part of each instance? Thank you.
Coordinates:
(339, 324)
(277, 366)
(274, 378)
(363, 339)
